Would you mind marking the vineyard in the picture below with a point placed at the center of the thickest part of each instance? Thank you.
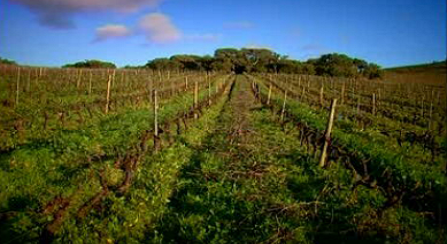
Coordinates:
(143, 156)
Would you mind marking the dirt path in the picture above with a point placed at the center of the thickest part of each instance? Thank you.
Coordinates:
(235, 186)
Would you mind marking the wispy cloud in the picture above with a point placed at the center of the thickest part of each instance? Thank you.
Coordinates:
(257, 46)
(158, 28)
(59, 13)
(239, 25)
(111, 31)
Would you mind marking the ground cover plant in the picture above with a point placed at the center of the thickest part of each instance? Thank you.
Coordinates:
(181, 152)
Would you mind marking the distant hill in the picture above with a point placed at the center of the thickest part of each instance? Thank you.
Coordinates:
(434, 73)
(432, 67)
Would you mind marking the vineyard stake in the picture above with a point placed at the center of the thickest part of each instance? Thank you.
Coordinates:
(196, 98)
(284, 106)
(108, 93)
(90, 83)
(172, 88)
(358, 104)
(159, 76)
(270, 94)
(430, 115)
(302, 93)
(374, 104)
(186, 83)
(151, 88)
(29, 81)
(378, 97)
(327, 135)
(321, 95)
(155, 114)
(209, 90)
(113, 77)
(78, 83)
(342, 94)
(17, 86)
(423, 103)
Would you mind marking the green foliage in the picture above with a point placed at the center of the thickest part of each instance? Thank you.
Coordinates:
(420, 67)
(340, 65)
(255, 60)
(92, 64)
(7, 61)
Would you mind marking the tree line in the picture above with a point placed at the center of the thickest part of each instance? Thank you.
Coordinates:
(265, 60)
(93, 64)
(252, 61)
(7, 61)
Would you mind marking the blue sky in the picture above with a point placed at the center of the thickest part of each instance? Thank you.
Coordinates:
(56, 32)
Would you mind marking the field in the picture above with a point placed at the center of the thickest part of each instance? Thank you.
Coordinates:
(434, 73)
(142, 156)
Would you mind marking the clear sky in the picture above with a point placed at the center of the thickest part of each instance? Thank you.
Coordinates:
(56, 32)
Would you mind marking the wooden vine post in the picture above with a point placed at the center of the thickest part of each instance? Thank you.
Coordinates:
(209, 89)
(90, 83)
(327, 136)
(342, 99)
(196, 98)
(302, 93)
(374, 104)
(159, 76)
(322, 95)
(108, 93)
(78, 83)
(284, 106)
(151, 88)
(358, 104)
(29, 81)
(155, 114)
(172, 88)
(270, 94)
(378, 97)
(430, 115)
(113, 77)
(423, 104)
(17, 86)
(156, 130)
(186, 83)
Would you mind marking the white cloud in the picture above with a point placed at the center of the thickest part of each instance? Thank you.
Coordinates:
(58, 13)
(159, 28)
(111, 31)
(256, 46)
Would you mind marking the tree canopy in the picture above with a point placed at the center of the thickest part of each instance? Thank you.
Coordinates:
(266, 60)
(92, 64)
(7, 61)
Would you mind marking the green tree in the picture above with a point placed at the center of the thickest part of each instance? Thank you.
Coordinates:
(92, 64)
(7, 61)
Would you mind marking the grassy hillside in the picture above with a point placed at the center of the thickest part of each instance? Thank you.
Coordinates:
(434, 73)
